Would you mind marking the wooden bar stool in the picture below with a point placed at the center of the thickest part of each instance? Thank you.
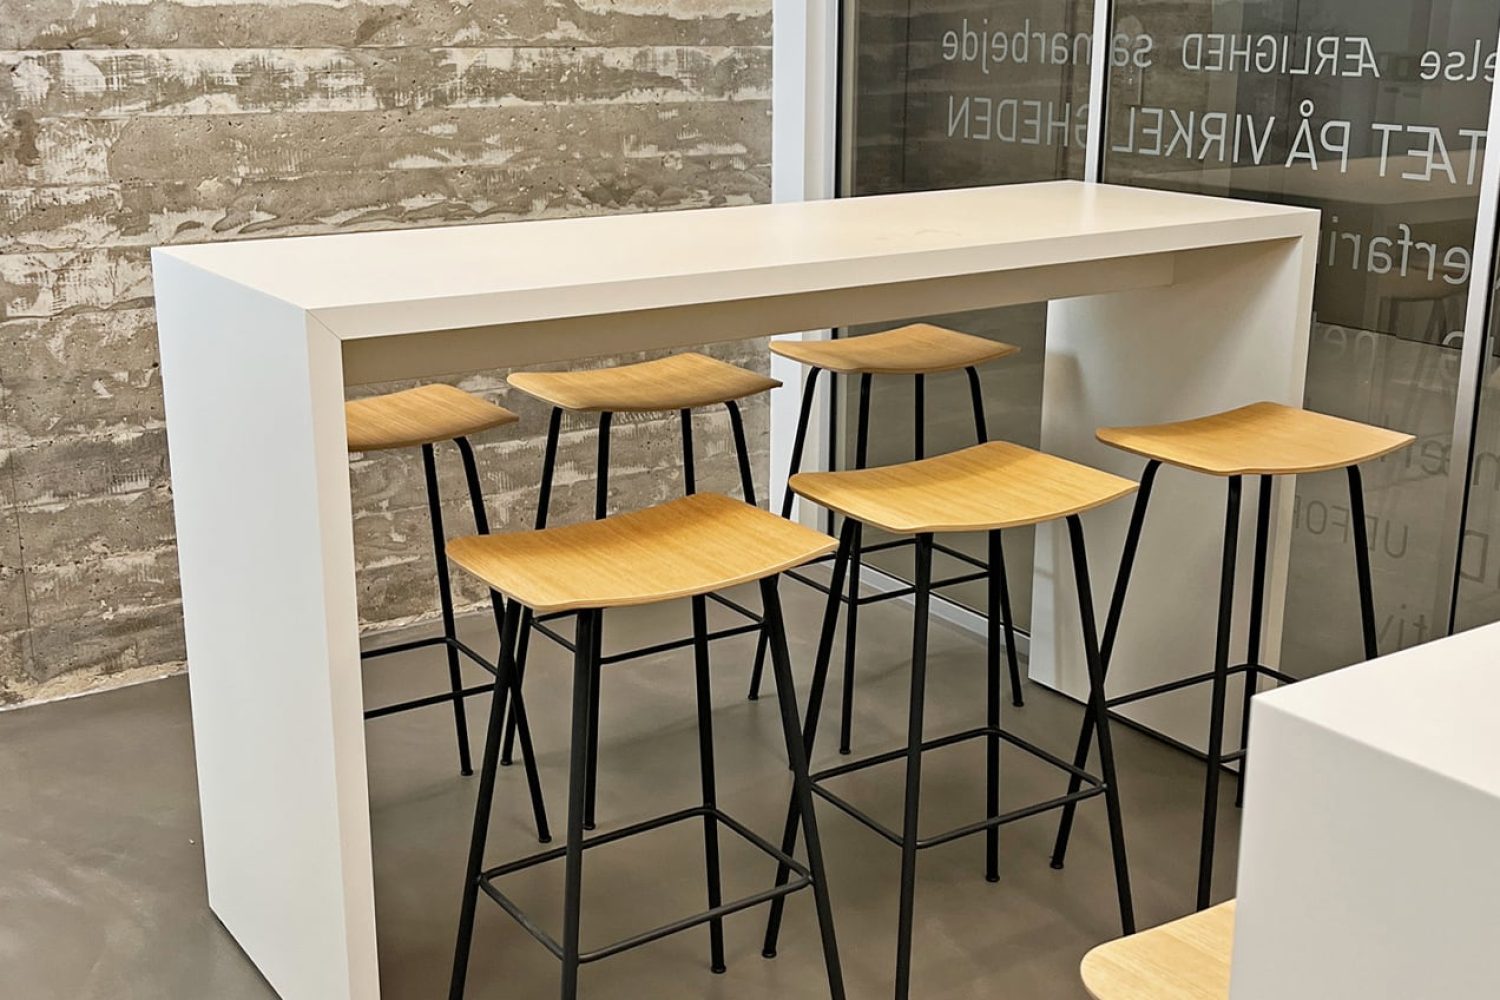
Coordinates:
(681, 383)
(1187, 959)
(986, 488)
(423, 417)
(917, 351)
(689, 548)
(1264, 440)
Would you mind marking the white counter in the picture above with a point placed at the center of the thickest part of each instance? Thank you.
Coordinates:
(1163, 306)
(1369, 867)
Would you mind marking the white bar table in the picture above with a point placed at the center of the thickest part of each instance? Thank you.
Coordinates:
(1368, 865)
(1163, 306)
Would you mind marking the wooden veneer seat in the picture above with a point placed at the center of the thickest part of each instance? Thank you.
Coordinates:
(1260, 439)
(983, 488)
(424, 415)
(1187, 959)
(677, 382)
(917, 349)
(683, 548)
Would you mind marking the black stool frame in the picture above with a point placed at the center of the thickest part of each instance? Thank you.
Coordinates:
(1252, 669)
(980, 569)
(455, 646)
(542, 623)
(908, 838)
(586, 664)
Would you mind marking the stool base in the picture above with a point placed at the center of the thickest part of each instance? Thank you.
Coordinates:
(802, 880)
(1095, 786)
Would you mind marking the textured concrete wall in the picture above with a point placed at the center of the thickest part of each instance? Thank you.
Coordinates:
(125, 125)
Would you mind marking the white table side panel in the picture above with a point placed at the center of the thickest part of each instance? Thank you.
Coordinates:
(1361, 874)
(1232, 329)
(254, 399)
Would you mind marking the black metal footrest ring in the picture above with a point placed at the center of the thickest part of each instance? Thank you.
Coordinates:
(1095, 786)
(1193, 681)
(654, 650)
(435, 699)
(801, 879)
(403, 647)
(904, 591)
(753, 625)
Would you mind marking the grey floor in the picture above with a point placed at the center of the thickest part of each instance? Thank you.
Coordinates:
(102, 894)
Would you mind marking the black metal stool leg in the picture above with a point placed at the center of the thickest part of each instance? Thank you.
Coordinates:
(517, 703)
(742, 453)
(997, 554)
(591, 772)
(1220, 686)
(601, 510)
(810, 724)
(689, 472)
(851, 624)
(1000, 580)
(919, 418)
(998, 605)
(976, 399)
(483, 805)
(528, 752)
(1362, 563)
(445, 599)
(1111, 631)
(802, 784)
(799, 442)
(706, 774)
(1100, 712)
(585, 673)
(905, 925)
(1257, 617)
(543, 503)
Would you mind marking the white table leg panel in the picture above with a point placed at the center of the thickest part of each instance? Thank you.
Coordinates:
(1230, 330)
(260, 481)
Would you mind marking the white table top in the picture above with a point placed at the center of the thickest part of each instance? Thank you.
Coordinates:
(1432, 705)
(366, 284)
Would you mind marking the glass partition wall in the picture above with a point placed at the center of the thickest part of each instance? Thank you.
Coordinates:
(1375, 113)
(951, 95)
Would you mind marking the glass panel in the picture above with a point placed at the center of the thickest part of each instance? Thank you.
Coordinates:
(956, 95)
(1375, 113)
(1479, 563)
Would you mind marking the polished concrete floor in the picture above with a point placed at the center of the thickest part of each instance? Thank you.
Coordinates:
(102, 893)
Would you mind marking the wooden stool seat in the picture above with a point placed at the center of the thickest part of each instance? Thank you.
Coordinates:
(679, 382)
(1262, 439)
(1187, 959)
(983, 488)
(424, 415)
(682, 548)
(918, 349)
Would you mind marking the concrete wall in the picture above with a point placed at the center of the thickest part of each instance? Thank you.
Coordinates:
(129, 124)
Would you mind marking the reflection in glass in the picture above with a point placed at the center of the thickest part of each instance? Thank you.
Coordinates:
(1374, 113)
